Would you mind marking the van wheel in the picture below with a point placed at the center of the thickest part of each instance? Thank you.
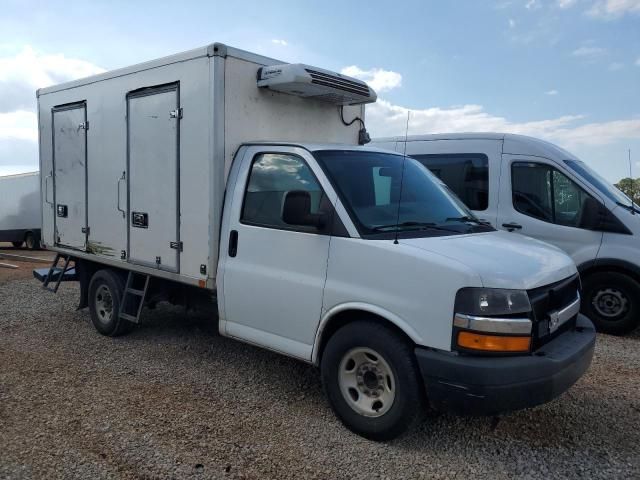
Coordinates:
(370, 376)
(105, 295)
(30, 241)
(611, 300)
(17, 244)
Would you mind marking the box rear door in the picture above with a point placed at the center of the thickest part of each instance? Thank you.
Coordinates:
(70, 175)
(153, 134)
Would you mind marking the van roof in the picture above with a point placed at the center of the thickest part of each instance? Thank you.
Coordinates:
(512, 143)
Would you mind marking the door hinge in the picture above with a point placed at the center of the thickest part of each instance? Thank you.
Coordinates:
(86, 230)
(176, 245)
(177, 113)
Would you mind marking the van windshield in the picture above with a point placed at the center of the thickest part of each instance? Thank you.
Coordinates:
(602, 185)
(382, 200)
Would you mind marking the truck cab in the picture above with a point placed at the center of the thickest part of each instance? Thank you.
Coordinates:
(362, 262)
(525, 185)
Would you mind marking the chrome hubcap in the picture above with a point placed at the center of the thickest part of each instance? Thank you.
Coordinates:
(610, 302)
(104, 304)
(366, 382)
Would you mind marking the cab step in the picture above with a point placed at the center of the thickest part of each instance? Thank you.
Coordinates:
(133, 297)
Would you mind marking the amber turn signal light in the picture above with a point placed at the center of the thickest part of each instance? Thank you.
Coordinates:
(493, 343)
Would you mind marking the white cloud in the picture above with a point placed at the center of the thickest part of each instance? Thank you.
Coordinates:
(551, 92)
(279, 41)
(588, 52)
(615, 66)
(22, 74)
(638, 62)
(385, 119)
(609, 9)
(532, 5)
(19, 125)
(512, 23)
(380, 80)
(565, 3)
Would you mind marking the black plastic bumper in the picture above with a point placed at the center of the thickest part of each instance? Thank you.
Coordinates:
(469, 385)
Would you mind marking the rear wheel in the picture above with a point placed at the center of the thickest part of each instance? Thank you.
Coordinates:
(17, 244)
(30, 241)
(372, 381)
(611, 301)
(105, 296)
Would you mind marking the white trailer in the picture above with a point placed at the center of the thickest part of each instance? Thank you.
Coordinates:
(20, 213)
(219, 178)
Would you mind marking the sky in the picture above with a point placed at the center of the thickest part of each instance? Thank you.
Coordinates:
(567, 71)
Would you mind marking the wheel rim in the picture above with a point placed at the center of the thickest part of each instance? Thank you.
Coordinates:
(610, 303)
(366, 382)
(104, 304)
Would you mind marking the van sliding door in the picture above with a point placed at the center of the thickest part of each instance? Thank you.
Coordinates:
(69, 126)
(153, 116)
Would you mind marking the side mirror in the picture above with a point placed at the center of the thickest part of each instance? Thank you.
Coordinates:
(297, 210)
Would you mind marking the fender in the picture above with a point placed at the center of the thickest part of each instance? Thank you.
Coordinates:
(363, 307)
(615, 263)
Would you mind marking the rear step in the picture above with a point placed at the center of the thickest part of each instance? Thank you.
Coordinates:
(133, 297)
(55, 273)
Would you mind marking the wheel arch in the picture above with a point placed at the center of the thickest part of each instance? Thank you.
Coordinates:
(609, 265)
(343, 314)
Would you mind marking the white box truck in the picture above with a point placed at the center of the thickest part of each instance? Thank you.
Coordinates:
(526, 185)
(221, 178)
(20, 210)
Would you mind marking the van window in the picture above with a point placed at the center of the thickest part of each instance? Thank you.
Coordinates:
(272, 176)
(542, 192)
(466, 174)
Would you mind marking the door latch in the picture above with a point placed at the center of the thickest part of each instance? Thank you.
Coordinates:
(176, 246)
(177, 113)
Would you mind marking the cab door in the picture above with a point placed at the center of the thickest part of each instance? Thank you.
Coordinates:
(272, 273)
(540, 200)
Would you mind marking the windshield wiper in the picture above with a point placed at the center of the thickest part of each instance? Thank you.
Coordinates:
(465, 218)
(413, 226)
(631, 208)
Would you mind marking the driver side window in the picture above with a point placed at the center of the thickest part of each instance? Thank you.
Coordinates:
(542, 192)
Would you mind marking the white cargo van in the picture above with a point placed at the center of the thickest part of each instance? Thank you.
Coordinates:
(20, 210)
(526, 185)
(221, 178)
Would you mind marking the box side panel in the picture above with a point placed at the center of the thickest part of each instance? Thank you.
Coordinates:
(20, 202)
(107, 159)
(255, 114)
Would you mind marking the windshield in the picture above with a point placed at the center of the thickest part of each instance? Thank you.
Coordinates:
(369, 184)
(603, 186)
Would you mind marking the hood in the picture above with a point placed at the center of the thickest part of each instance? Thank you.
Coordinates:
(502, 259)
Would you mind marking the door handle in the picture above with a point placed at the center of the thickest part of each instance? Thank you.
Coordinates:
(233, 243)
(512, 226)
(124, 177)
(46, 189)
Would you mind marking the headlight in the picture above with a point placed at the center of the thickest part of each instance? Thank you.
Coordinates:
(491, 301)
(492, 320)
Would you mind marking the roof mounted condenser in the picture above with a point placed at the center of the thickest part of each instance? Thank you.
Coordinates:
(311, 82)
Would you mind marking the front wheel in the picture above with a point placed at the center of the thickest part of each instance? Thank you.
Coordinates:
(611, 301)
(30, 241)
(372, 381)
(17, 244)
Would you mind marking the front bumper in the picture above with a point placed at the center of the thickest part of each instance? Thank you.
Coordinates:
(474, 385)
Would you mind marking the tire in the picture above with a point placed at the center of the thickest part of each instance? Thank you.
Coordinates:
(612, 301)
(30, 241)
(17, 244)
(105, 296)
(365, 362)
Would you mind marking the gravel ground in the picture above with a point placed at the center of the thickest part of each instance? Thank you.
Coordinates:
(169, 401)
